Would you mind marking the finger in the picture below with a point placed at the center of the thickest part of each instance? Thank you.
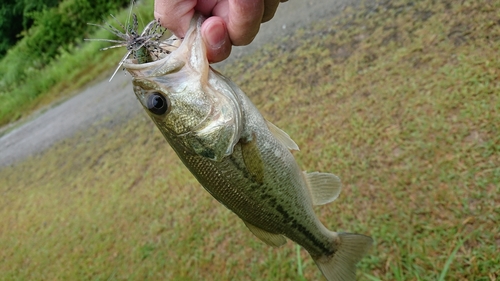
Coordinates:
(242, 17)
(175, 15)
(205, 7)
(270, 7)
(216, 39)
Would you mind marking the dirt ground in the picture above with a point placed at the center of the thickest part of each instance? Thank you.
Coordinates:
(106, 103)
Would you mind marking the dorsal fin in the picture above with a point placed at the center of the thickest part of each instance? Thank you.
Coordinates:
(282, 137)
(324, 187)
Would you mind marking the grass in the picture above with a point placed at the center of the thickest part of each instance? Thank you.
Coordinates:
(71, 71)
(399, 99)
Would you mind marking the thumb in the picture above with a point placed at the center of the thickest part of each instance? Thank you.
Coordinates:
(216, 38)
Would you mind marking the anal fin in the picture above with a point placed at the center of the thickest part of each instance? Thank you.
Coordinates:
(272, 239)
(324, 187)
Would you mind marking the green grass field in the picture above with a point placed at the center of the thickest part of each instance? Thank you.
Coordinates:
(400, 100)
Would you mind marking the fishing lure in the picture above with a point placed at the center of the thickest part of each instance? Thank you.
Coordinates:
(145, 47)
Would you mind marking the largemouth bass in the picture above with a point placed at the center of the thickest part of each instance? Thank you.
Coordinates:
(240, 158)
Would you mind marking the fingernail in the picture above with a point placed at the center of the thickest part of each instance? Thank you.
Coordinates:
(216, 35)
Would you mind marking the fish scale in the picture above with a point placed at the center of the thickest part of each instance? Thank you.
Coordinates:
(241, 159)
(230, 181)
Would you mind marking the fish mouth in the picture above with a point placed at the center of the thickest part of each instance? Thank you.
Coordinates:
(165, 65)
(175, 54)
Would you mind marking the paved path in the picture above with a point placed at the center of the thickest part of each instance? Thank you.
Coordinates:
(113, 101)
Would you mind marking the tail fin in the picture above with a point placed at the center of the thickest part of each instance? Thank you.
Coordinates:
(342, 266)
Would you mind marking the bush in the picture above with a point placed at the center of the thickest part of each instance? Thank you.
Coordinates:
(54, 30)
(57, 28)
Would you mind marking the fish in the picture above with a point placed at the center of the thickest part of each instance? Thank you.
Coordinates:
(244, 161)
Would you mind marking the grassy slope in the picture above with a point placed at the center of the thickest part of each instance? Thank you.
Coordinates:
(401, 101)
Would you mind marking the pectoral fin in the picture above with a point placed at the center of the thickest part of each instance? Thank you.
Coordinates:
(282, 137)
(324, 187)
(272, 239)
(253, 160)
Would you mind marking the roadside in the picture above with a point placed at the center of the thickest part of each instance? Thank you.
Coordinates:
(106, 102)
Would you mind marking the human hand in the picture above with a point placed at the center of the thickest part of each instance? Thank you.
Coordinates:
(228, 23)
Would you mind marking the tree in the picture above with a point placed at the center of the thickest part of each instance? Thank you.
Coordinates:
(11, 19)
(16, 16)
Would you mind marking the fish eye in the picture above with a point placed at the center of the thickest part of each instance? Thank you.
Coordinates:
(157, 103)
